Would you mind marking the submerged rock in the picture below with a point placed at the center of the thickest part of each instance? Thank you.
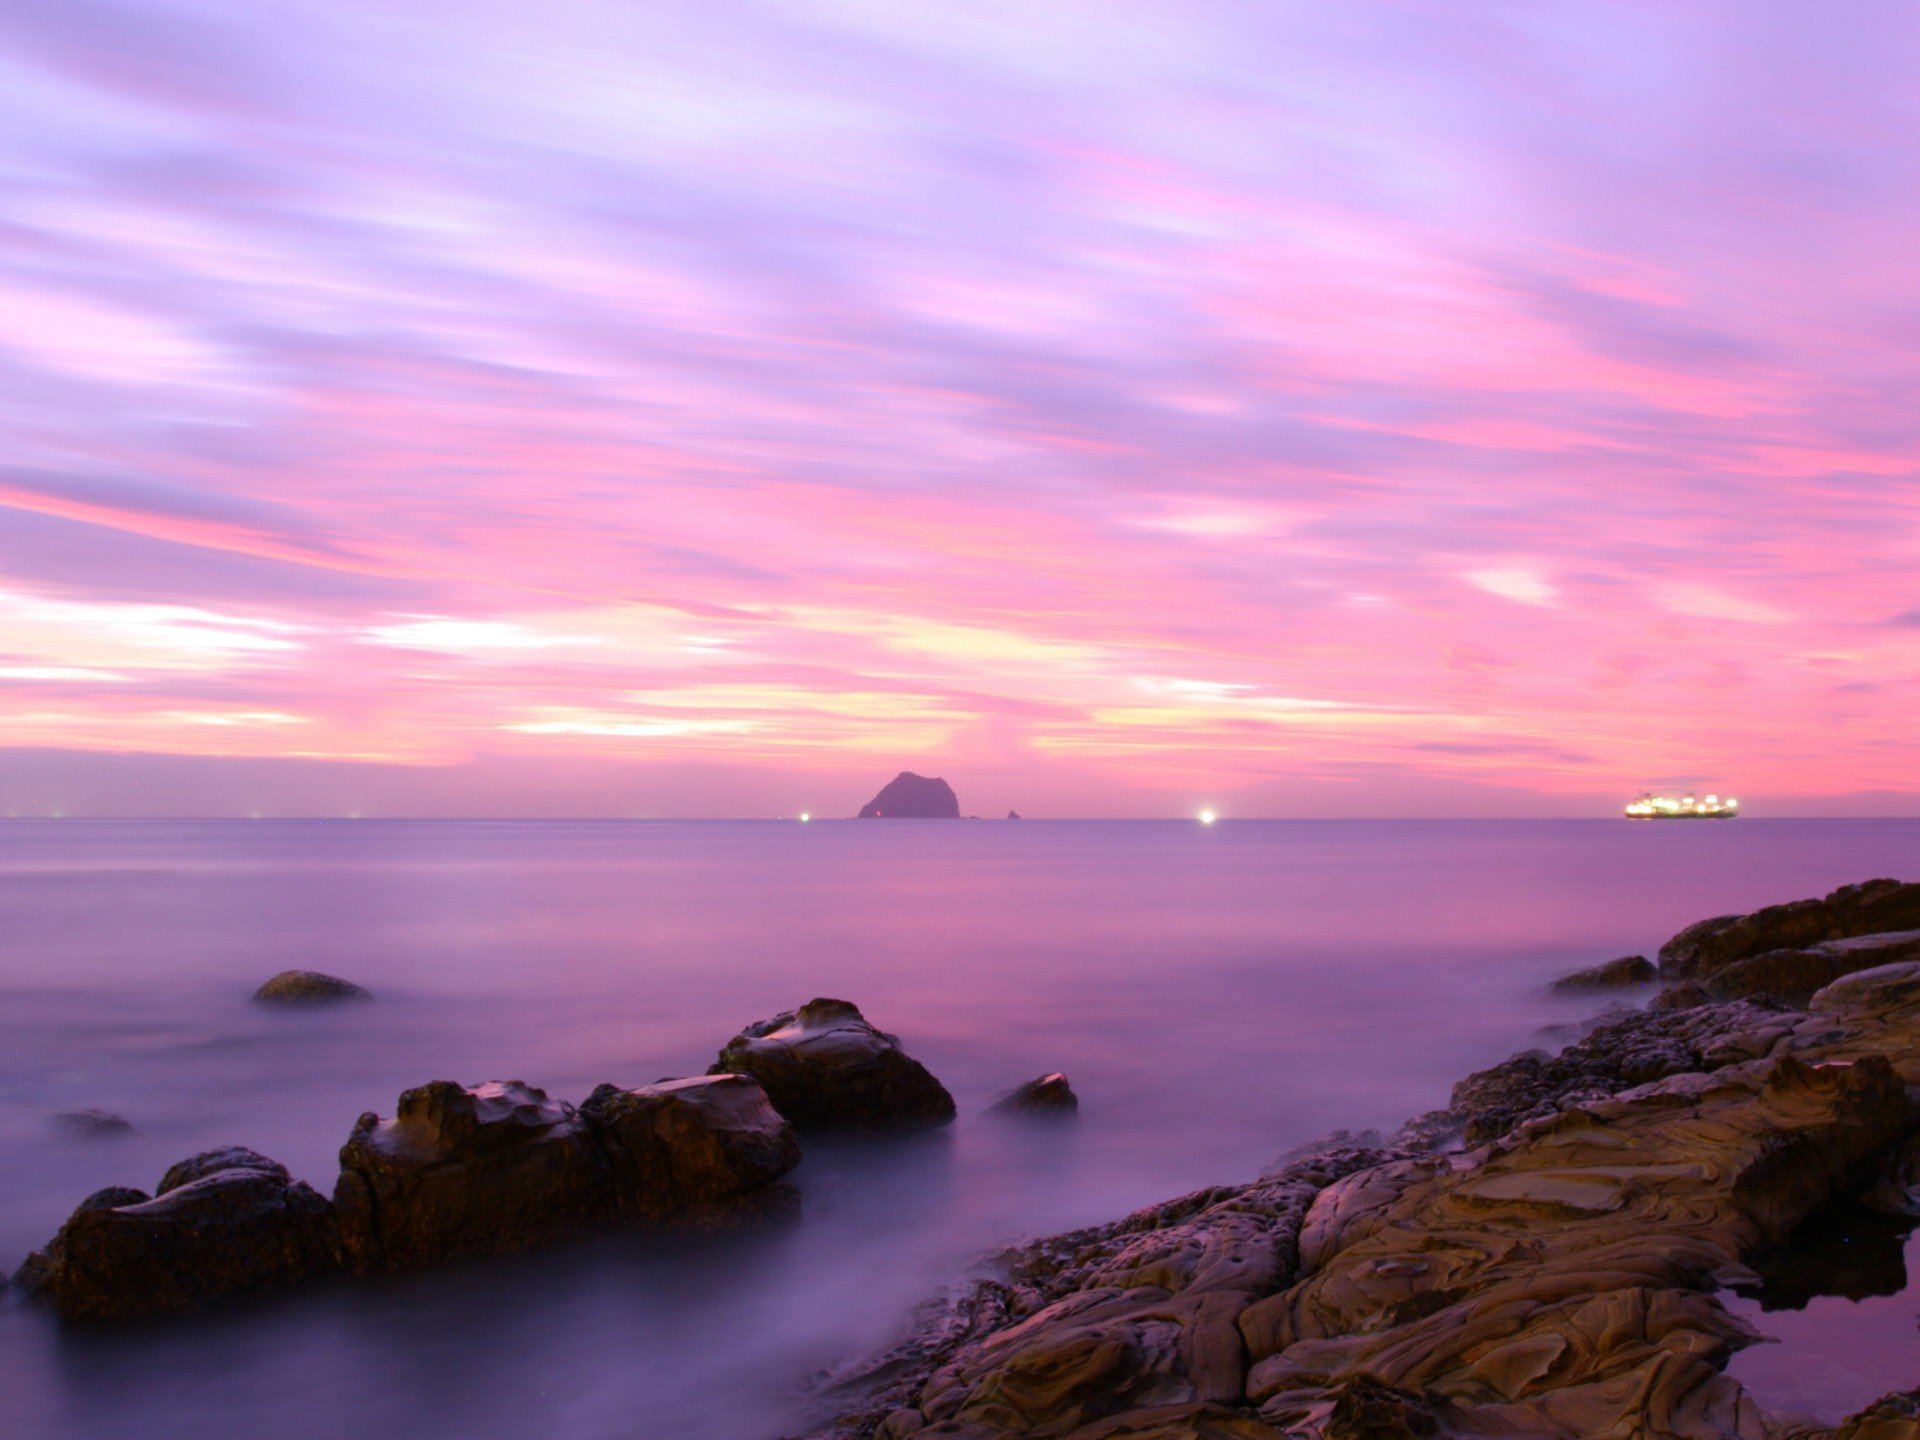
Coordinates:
(690, 1149)
(462, 1172)
(913, 797)
(92, 1123)
(1049, 1095)
(308, 987)
(825, 1068)
(1628, 970)
(213, 1232)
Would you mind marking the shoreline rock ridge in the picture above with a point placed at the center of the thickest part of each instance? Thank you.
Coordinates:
(1540, 1260)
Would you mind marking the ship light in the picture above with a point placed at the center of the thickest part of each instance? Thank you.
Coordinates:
(804, 817)
(1207, 817)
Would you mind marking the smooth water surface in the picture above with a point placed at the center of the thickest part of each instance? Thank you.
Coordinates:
(1218, 995)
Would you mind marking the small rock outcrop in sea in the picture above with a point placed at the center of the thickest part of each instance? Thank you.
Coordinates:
(825, 1068)
(1558, 1280)
(92, 1124)
(1013, 814)
(501, 1167)
(1621, 974)
(913, 797)
(221, 1225)
(1049, 1095)
(308, 987)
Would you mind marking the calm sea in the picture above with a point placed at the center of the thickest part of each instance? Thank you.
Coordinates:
(1217, 996)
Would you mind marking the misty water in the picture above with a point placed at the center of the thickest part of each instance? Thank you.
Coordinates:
(1218, 995)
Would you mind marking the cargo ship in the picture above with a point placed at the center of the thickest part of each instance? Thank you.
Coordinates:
(1684, 807)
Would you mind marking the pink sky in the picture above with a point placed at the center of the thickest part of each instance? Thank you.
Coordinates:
(680, 409)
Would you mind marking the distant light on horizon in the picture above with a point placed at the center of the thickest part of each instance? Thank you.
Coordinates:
(1207, 817)
(805, 816)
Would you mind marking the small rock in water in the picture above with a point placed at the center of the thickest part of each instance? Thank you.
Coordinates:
(92, 1123)
(825, 1068)
(1049, 1095)
(1619, 974)
(309, 987)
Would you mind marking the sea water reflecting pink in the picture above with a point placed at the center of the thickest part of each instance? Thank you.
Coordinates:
(1217, 994)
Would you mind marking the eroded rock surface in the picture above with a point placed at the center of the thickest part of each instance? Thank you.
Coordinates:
(1556, 1283)
(825, 1068)
(309, 987)
(221, 1225)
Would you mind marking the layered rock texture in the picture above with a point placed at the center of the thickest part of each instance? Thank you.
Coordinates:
(1541, 1260)
(913, 797)
(825, 1068)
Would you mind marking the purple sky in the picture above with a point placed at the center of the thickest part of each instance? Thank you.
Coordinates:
(656, 409)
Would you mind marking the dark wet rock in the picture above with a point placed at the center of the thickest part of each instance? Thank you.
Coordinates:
(1873, 907)
(690, 1149)
(92, 1124)
(825, 1068)
(1891, 1417)
(463, 1172)
(1628, 970)
(913, 797)
(1685, 996)
(1790, 977)
(226, 1233)
(1848, 1248)
(1640, 1047)
(308, 987)
(1049, 1095)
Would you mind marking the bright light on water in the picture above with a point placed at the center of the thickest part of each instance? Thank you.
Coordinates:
(1207, 817)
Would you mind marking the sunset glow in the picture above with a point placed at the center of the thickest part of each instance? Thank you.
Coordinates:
(1390, 408)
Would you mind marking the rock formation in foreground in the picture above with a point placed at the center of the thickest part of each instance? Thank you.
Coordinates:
(825, 1068)
(456, 1173)
(1555, 1281)
(309, 987)
(221, 1225)
(913, 797)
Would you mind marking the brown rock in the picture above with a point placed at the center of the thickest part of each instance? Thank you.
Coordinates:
(1619, 974)
(1873, 907)
(1050, 1095)
(308, 987)
(462, 1172)
(825, 1068)
(227, 1231)
(690, 1149)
